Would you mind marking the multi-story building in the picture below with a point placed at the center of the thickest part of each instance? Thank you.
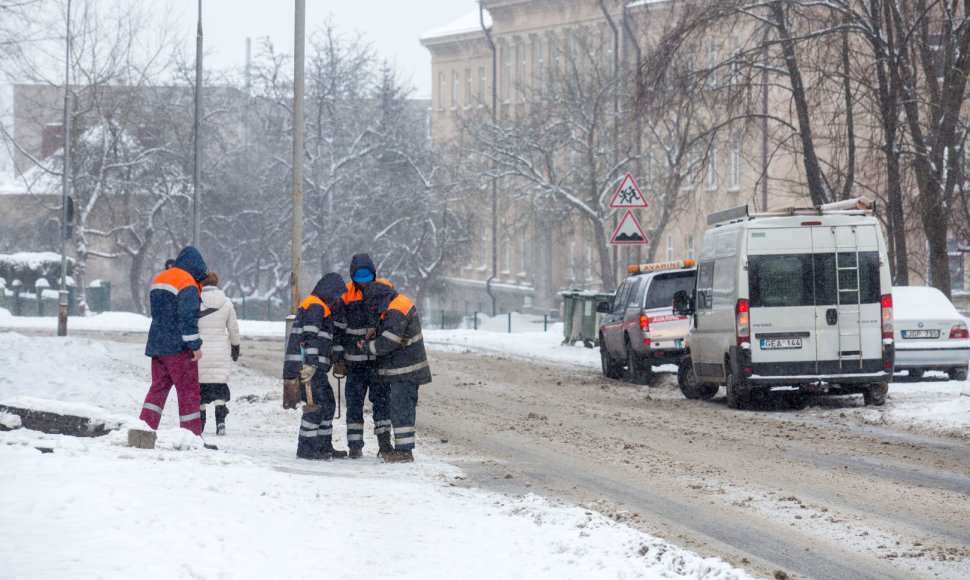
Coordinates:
(505, 61)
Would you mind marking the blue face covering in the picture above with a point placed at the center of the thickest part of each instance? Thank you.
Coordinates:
(362, 275)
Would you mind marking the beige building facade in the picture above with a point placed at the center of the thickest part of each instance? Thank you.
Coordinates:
(501, 59)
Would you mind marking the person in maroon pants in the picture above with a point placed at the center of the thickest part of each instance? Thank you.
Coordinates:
(173, 340)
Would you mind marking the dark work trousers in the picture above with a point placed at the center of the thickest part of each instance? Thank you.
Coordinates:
(182, 372)
(404, 402)
(316, 427)
(361, 382)
(217, 393)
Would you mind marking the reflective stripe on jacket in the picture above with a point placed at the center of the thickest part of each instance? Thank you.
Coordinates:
(175, 299)
(360, 321)
(313, 328)
(399, 345)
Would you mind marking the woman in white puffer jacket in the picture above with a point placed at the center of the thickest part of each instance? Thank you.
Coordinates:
(220, 347)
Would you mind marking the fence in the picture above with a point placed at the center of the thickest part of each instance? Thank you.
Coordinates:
(260, 308)
(505, 322)
(43, 301)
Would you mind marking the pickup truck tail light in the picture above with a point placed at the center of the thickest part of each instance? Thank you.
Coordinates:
(645, 328)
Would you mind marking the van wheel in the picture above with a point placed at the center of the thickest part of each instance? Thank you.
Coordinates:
(737, 394)
(687, 380)
(916, 374)
(707, 391)
(957, 374)
(611, 368)
(875, 394)
(638, 375)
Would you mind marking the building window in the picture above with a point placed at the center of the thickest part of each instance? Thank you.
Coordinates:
(523, 256)
(468, 86)
(690, 247)
(523, 68)
(537, 46)
(712, 167)
(481, 83)
(956, 261)
(736, 162)
(670, 247)
(455, 79)
(484, 264)
(506, 72)
(712, 64)
(507, 255)
(735, 60)
(441, 90)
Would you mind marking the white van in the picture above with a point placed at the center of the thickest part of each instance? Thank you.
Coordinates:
(799, 299)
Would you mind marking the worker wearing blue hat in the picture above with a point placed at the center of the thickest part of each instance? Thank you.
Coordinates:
(361, 367)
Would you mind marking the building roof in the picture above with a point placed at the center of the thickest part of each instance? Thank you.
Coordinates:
(467, 23)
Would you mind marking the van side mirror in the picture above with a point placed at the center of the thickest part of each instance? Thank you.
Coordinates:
(603, 307)
(683, 303)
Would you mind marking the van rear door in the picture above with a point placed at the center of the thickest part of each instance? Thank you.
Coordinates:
(781, 301)
(847, 306)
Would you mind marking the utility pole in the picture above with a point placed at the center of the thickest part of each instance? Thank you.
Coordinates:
(297, 249)
(491, 46)
(197, 170)
(66, 213)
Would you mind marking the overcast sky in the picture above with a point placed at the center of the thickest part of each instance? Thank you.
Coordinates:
(393, 27)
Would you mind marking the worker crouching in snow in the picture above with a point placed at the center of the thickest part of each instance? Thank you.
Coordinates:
(307, 362)
(402, 363)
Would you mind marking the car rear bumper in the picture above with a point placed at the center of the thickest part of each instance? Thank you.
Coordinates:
(930, 358)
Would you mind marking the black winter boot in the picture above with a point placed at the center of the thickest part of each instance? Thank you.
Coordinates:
(202, 416)
(335, 453)
(221, 412)
(384, 443)
(397, 456)
(356, 453)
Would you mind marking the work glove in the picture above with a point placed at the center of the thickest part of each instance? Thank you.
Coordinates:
(339, 370)
(291, 393)
(234, 352)
(307, 373)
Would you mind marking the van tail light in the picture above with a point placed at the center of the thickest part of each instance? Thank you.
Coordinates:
(887, 316)
(645, 328)
(959, 331)
(743, 328)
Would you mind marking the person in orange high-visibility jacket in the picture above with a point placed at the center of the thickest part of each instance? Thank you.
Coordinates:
(173, 340)
(308, 358)
(402, 363)
(361, 366)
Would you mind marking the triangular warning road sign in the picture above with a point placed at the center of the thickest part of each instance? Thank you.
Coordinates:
(629, 231)
(628, 194)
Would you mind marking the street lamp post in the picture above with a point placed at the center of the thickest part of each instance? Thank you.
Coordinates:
(66, 214)
(297, 247)
(197, 166)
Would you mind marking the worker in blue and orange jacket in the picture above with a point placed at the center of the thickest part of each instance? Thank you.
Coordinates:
(360, 366)
(173, 340)
(307, 361)
(402, 363)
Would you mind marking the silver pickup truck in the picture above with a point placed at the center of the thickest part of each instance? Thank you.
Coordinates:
(639, 330)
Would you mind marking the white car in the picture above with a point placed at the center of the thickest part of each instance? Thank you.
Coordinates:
(930, 333)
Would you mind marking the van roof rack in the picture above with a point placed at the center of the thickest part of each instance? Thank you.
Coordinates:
(855, 206)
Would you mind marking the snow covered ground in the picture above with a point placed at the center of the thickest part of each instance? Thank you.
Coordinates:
(96, 508)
